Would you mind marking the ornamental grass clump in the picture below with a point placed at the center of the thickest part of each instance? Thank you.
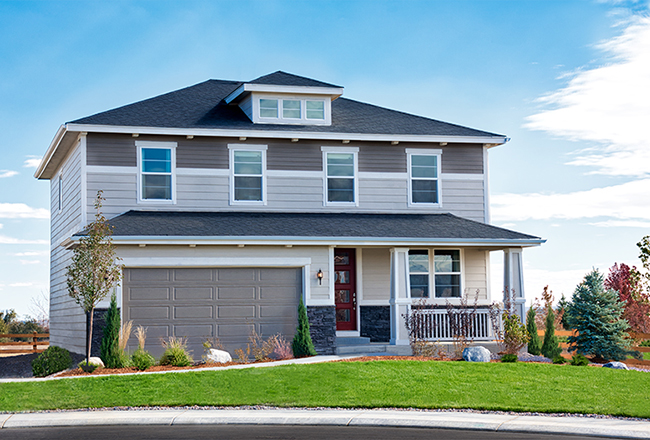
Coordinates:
(176, 353)
(141, 359)
(51, 361)
(579, 360)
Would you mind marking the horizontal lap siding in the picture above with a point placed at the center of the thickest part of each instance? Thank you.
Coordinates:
(67, 318)
(375, 271)
(476, 274)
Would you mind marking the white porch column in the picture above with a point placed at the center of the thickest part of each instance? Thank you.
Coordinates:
(400, 300)
(513, 278)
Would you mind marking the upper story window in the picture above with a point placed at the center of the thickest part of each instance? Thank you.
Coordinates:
(247, 174)
(156, 170)
(292, 110)
(340, 165)
(445, 272)
(424, 171)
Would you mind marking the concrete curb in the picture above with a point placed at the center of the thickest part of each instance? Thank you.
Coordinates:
(388, 418)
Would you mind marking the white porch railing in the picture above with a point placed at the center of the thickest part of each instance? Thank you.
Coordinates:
(436, 325)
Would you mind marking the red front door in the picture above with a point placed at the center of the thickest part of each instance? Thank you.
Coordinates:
(345, 295)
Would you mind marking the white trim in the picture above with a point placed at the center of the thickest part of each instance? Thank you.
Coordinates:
(83, 145)
(333, 92)
(213, 262)
(330, 275)
(202, 172)
(280, 119)
(59, 191)
(54, 145)
(295, 173)
(410, 152)
(160, 146)
(358, 258)
(107, 169)
(486, 191)
(231, 173)
(461, 176)
(382, 176)
(355, 178)
(306, 283)
(348, 333)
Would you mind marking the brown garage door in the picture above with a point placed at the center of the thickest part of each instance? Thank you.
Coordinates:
(201, 303)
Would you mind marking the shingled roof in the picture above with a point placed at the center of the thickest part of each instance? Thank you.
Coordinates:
(202, 106)
(300, 225)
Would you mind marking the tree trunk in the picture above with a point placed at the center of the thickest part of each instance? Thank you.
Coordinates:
(89, 332)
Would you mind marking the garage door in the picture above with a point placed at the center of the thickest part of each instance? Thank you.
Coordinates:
(201, 303)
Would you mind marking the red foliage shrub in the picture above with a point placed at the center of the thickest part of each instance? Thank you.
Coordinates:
(627, 282)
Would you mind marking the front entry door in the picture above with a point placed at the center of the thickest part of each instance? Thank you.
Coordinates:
(344, 289)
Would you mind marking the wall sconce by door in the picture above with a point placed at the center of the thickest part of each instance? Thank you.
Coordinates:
(320, 275)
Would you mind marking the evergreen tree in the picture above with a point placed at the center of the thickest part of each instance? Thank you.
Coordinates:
(562, 306)
(551, 347)
(302, 344)
(110, 352)
(534, 343)
(597, 315)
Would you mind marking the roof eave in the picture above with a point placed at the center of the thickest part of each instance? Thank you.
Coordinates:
(50, 151)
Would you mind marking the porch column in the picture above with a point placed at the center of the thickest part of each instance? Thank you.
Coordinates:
(400, 300)
(513, 278)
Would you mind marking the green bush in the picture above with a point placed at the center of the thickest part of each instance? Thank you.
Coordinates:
(302, 344)
(645, 343)
(551, 347)
(559, 360)
(51, 361)
(534, 344)
(176, 353)
(509, 357)
(110, 352)
(579, 360)
(87, 367)
(142, 360)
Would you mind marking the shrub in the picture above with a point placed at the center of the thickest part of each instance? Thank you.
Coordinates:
(109, 350)
(281, 348)
(579, 360)
(88, 367)
(597, 315)
(142, 360)
(551, 347)
(51, 361)
(514, 335)
(242, 355)
(645, 343)
(509, 357)
(534, 344)
(176, 353)
(302, 344)
(260, 348)
(559, 360)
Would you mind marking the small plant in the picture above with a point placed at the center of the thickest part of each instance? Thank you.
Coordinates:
(579, 360)
(281, 348)
(141, 336)
(551, 347)
(260, 348)
(110, 352)
(176, 353)
(559, 359)
(243, 355)
(645, 343)
(428, 349)
(125, 334)
(509, 357)
(302, 344)
(87, 367)
(514, 335)
(534, 344)
(142, 360)
(51, 361)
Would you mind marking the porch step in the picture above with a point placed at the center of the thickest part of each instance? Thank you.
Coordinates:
(352, 340)
(360, 349)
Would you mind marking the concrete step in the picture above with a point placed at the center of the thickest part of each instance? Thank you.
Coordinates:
(352, 340)
(360, 349)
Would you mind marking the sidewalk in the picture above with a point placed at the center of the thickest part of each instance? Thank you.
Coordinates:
(388, 418)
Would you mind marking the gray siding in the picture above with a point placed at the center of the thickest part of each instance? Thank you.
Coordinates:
(202, 153)
(110, 150)
(67, 318)
(462, 159)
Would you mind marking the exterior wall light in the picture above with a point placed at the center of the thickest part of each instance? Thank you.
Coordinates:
(319, 275)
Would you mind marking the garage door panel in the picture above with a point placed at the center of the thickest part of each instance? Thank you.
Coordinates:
(237, 293)
(234, 330)
(282, 293)
(154, 333)
(193, 293)
(236, 311)
(194, 331)
(238, 274)
(148, 312)
(193, 274)
(289, 276)
(197, 312)
(148, 293)
(271, 329)
(277, 312)
(149, 275)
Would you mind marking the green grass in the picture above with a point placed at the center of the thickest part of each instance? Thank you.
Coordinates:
(493, 386)
(646, 356)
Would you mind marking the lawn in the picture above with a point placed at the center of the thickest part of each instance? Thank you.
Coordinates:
(491, 386)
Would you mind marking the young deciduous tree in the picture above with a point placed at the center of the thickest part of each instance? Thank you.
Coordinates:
(627, 281)
(94, 270)
(596, 314)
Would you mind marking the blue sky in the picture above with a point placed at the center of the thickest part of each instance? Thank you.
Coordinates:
(568, 81)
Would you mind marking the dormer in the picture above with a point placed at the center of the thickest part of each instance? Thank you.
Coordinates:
(283, 98)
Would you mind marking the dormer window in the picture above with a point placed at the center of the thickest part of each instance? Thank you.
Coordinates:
(292, 110)
(268, 108)
(315, 109)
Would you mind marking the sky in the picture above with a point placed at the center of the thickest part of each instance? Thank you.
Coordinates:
(567, 81)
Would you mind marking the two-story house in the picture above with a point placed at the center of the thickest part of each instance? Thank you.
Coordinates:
(230, 200)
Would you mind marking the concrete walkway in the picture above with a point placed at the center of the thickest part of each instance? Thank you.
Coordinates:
(600, 427)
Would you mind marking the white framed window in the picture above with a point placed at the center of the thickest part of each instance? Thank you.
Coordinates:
(424, 177)
(59, 191)
(156, 171)
(340, 166)
(248, 174)
(437, 277)
(291, 110)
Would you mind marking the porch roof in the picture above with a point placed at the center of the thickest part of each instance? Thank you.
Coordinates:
(167, 227)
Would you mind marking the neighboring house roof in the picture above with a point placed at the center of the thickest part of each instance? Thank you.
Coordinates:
(324, 226)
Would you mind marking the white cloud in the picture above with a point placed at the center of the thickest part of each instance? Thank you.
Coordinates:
(7, 173)
(608, 105)
(30, 262)
(32, 161)
(31, 253)
(622, 224)
(22, 285)
(628, 201)
(10, 240)
(21, 210)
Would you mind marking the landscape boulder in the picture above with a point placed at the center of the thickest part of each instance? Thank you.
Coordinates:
(95, 361)
(616, 365)
(217, 357)
(476, 354)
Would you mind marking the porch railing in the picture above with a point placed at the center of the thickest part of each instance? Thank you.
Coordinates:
(436, 325)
